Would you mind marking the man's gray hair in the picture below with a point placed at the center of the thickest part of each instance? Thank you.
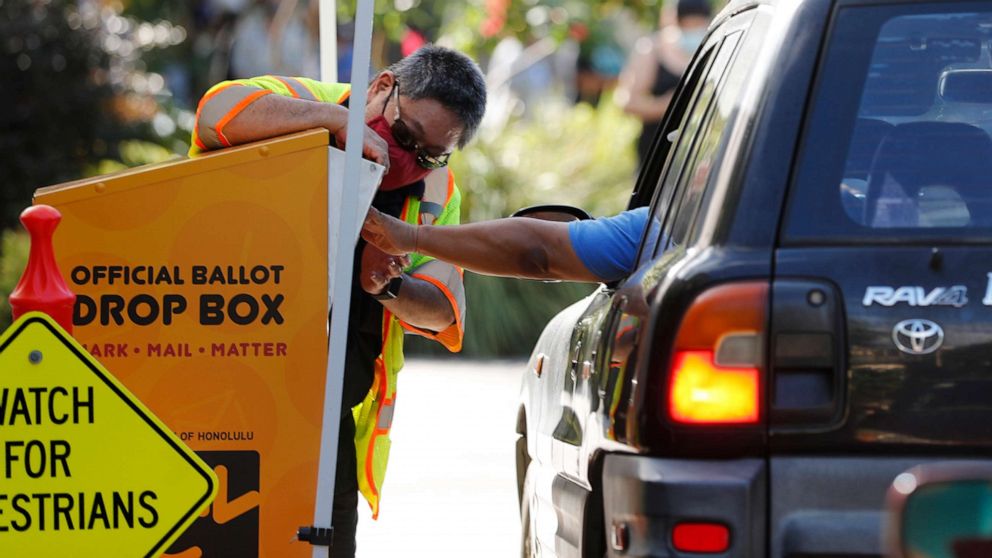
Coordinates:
(448, 77)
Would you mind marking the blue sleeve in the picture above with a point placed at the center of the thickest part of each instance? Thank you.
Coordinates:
(608, 246)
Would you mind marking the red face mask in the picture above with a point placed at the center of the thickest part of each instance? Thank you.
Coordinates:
(403, 167)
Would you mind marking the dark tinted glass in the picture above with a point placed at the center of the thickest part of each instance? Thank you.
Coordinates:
(685, 161)
(898, 143)
(682, 139)
(696, 176)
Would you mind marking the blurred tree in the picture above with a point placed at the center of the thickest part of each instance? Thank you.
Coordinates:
(55, 95)
(476, 26)
(581, 155)
(76, 87)
(14, 248)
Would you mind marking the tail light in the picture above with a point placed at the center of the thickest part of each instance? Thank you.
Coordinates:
(716, 366)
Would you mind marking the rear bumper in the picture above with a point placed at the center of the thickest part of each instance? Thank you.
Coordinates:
(817, 506)
(832, 506)
(644, 497)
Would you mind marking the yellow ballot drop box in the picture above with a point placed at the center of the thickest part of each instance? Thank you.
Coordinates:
(203, 285)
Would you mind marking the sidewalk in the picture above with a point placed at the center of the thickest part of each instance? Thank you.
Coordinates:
(451, 486)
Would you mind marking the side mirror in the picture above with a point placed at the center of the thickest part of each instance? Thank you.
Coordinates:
(559, 213)
(941, 511)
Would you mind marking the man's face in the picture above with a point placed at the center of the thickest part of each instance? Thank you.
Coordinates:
(435, 129)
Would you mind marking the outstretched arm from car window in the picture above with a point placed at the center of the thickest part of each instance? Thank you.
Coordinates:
(516, 247)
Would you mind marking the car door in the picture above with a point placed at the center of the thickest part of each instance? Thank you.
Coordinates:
(677, 213)
(616, 313)
(595, 379)
(569, 368)
(571, 381)
(571, 394)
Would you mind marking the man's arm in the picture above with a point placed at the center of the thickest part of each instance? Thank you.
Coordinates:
(515, 247)
(420, 303)
(235, 113)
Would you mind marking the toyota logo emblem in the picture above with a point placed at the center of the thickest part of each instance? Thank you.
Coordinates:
(917, 337)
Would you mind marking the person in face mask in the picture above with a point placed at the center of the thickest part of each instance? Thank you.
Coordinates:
(418, 111)
(654, 67)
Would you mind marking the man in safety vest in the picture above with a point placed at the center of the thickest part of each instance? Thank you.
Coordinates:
(418, 111)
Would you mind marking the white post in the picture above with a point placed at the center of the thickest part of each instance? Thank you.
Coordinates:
(347, 220)
(328, 16)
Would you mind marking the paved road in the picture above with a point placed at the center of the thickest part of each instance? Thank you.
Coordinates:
(450, 490)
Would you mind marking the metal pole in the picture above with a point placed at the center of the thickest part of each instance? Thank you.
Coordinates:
(328, 17)
(347, 221)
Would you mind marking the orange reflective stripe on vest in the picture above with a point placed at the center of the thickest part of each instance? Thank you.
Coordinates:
(219, 107)
(297, 88)
(374, 417)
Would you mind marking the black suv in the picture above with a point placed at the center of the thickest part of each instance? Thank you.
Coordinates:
(809, 315)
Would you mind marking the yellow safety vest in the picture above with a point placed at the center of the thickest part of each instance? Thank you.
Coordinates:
(374, 416)
(440, 205)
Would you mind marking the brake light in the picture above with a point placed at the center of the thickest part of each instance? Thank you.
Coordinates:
(703, 392)
(701, 537)
(715, 377)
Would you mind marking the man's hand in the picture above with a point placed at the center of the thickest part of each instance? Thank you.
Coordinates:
(389, 234)
(374, 148)
(378, 268)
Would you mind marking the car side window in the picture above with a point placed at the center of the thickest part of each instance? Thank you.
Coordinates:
(688, 138)
(707, 125)
(684, 108)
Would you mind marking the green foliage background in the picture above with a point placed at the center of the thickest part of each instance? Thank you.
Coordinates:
(14, 248)
(574, 154)
(462, 24)
(557, 156)
(95, 121)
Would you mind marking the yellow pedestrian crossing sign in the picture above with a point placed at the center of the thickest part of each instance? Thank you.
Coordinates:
(85, 468)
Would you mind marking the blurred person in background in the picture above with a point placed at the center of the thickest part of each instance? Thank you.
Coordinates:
(418, 111)
(244, 38)
(599, 61)
(647, 82)
(251, 46)
(279, 36)
(295, 38)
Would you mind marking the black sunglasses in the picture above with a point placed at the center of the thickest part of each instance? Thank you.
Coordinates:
(405, 139)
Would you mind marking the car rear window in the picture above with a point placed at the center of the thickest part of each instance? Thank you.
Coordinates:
(897, 143)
